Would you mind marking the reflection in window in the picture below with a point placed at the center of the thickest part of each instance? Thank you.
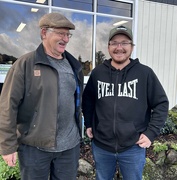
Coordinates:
(103, 27)
(115, 8)
(75, 4)
(13, 44)
(44, 2)
(80, 44)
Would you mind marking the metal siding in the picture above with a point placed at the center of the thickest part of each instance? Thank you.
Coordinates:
(173, 2)
(162, 44)
(157, 37)
(173, 58)
(151, 35)
(157, 43)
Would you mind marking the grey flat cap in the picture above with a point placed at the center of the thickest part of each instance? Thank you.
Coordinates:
(55, 20)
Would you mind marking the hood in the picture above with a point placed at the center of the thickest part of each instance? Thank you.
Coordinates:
(124, 71)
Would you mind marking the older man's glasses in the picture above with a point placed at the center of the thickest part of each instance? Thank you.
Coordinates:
(61, 34)
(115, 44)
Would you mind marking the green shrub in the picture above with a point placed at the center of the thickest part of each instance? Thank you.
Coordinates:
(173, 146)
(7, 172)
(158, 147)
(173, 115)
(170, 126)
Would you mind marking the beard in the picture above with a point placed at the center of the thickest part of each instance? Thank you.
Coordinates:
(120, 56)
(121, 61)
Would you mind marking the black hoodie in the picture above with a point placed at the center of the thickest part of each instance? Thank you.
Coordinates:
(119, 105)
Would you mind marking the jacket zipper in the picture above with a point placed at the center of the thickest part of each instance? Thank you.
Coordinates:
(115, 109)
(55, 143)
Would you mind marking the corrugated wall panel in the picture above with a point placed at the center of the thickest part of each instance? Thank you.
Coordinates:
(173, 56)
(157, 43)
(151, 35)
(156, 39)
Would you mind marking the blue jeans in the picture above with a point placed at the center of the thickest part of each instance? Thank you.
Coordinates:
(40, 165)
(131, 163)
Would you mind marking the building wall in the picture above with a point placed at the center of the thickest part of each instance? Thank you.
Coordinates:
(173, 2)
(157, 43)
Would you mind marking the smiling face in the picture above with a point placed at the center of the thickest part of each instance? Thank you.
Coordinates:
(120, 48)
(55, 41)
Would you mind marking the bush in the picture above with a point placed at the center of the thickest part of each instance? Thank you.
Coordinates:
(172, 114)
(7, 173)
(158, 147)
(170, 126)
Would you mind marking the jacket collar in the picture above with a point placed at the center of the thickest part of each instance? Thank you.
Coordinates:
(41, 58)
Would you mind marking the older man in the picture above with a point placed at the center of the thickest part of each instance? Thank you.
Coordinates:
(40, 107)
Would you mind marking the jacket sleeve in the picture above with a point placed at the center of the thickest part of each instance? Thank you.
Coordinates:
(158, 102)
(11, 96)
(88, 103)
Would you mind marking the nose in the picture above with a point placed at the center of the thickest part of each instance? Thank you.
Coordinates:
(119, 45)
(65, 38)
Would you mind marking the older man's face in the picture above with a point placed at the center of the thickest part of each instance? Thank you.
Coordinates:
(55, 41)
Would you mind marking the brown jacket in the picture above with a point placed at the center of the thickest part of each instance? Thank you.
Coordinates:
(29, 102)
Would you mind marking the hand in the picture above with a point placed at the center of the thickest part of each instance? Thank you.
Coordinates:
(143, 141)
(10, 159)
(89, 133)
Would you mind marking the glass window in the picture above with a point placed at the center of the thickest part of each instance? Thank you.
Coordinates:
(115, 8)
(80, 44)
(16, 41)
(75, 4)
(103, 27)
(43, 2)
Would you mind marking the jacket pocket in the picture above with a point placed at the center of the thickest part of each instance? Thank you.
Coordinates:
(104, 131)
(32, 125)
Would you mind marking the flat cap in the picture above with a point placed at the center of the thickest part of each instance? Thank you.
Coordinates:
(55, 20)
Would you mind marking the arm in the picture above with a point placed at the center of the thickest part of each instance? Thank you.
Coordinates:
(11, 95)
(88, 103)
(158, 103)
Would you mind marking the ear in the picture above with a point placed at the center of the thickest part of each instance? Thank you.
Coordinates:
(133, 47)
(43, 33)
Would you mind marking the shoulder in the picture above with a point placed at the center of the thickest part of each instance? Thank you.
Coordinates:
(23, 60)
(144, 68)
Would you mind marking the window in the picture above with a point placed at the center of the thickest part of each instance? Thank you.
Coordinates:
(103, 27)
(43, 2)
(115, 8)
(93, 22)
(75, 4)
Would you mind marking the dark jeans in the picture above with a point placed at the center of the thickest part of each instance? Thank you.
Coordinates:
(40, 165)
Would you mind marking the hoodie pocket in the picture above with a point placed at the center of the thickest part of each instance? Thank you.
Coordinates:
(127, 134)
(104, 131)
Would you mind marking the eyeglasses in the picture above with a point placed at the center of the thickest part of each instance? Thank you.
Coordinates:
(122, 44)
(61, 34)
